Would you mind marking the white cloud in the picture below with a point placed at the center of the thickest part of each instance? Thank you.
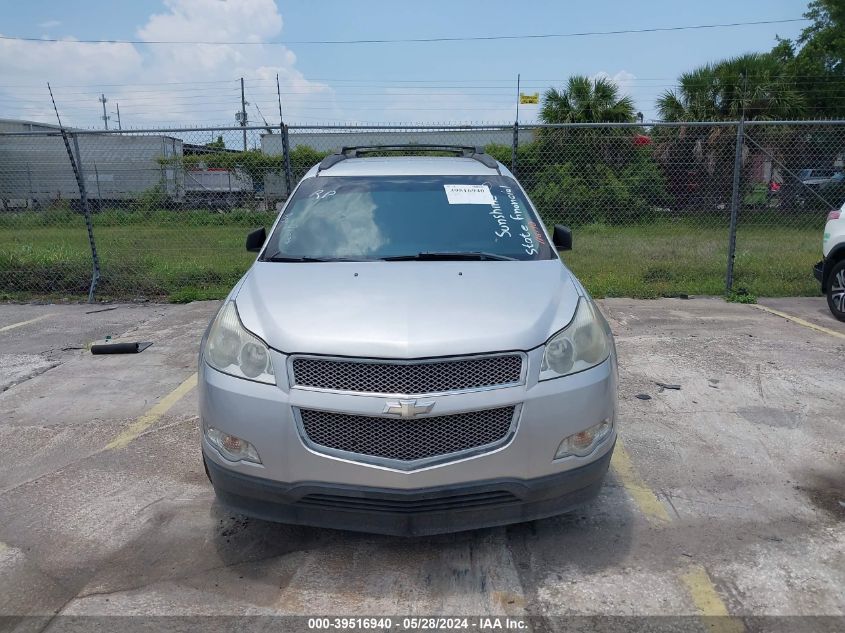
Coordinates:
(49, 24)
(623, 79)
(161, 84)
(196, 84)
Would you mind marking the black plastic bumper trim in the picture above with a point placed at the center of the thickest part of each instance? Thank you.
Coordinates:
(818, 272)
(415, 512)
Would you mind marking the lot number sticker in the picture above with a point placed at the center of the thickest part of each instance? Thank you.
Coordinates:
(468, 194)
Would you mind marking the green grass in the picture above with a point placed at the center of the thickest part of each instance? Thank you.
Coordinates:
(185, 256)
(667, 259)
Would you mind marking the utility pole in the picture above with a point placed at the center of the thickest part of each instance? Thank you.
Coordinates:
(118, 116)
(242, 117)
(105, 116)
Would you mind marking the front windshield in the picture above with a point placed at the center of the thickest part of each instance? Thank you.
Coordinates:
(376, 217)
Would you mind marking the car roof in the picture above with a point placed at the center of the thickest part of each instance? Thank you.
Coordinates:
(409, 166)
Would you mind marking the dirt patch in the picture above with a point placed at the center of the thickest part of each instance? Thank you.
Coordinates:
(771, 416)
(826, 492)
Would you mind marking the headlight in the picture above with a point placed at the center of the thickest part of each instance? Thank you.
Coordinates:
(582, 344)
(230, 348)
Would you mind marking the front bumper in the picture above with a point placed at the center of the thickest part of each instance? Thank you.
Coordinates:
(818, 272)
(524, 467)
(415, 512)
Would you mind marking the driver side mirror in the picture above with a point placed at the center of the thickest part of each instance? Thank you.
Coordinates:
(562, 237)
(256, 239)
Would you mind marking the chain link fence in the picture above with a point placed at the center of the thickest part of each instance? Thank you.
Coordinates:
(656, 210)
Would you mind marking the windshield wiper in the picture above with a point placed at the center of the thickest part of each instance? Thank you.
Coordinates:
(278, 257)
(285, 258)
(447, 256)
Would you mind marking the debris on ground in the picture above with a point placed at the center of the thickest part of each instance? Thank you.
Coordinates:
(643, 396)
(120, 348)
(664, 385)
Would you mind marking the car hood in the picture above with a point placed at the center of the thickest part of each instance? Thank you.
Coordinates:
(406, 309)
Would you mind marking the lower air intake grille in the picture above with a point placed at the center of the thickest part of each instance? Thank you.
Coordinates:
(407, 440)
(410, 506)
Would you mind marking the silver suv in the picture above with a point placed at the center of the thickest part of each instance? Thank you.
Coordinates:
(407, 355)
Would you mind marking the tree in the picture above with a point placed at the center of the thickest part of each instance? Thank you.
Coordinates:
(817, 59)
(586, 101)
(755, 85)
(218, 144)
(590, 174)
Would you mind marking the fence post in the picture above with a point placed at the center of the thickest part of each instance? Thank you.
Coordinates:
(286, 152)
(83, 197)
(514, 147)
(729, 276)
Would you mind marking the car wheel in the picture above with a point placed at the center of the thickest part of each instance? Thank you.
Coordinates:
(836, 291)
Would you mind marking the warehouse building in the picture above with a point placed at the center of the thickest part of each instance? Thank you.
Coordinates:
(35, 170)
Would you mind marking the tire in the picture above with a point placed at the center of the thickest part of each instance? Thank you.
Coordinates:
(836, 290)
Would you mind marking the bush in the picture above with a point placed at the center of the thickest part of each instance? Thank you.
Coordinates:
(150, 200)
(599, 193)
(501, 153)
(303, 158)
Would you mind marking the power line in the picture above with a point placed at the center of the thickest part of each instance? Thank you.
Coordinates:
(362, 83)
(420, 40)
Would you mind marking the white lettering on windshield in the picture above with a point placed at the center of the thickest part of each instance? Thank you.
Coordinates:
(528, 240)
(501, 220)
(517, 208)
(322, 194)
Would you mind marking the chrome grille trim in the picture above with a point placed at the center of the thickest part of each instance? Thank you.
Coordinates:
(493, 428)
(417, 377)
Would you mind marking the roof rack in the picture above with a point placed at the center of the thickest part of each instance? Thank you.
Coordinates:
(468, 151)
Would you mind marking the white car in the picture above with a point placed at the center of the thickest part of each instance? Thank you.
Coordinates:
(831, 270)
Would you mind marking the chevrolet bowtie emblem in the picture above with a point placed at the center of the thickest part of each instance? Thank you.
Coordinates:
(408, 409)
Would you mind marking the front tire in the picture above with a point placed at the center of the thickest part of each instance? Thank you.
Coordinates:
(836, 290)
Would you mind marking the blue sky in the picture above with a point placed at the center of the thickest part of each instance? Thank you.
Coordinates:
(456, 81)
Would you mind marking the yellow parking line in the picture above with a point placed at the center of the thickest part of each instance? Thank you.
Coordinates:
(799, 321)
(707, 601)
(150, 417)
(643, 496)
(6, 328)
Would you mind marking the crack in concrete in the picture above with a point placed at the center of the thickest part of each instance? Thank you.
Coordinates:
(34, 373)
(176, 578)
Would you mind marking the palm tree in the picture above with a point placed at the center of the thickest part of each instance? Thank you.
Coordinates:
(751, 86)
(586, 100)
(754, 85)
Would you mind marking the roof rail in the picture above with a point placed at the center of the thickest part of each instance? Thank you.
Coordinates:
(469, 151)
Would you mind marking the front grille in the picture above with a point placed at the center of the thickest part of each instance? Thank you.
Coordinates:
(412, 378)
(402, 505)
(406, 440)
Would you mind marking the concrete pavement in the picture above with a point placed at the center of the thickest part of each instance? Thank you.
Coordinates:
(728, 497)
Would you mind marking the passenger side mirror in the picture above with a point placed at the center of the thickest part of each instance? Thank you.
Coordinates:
(562, 237)
(256, 239)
